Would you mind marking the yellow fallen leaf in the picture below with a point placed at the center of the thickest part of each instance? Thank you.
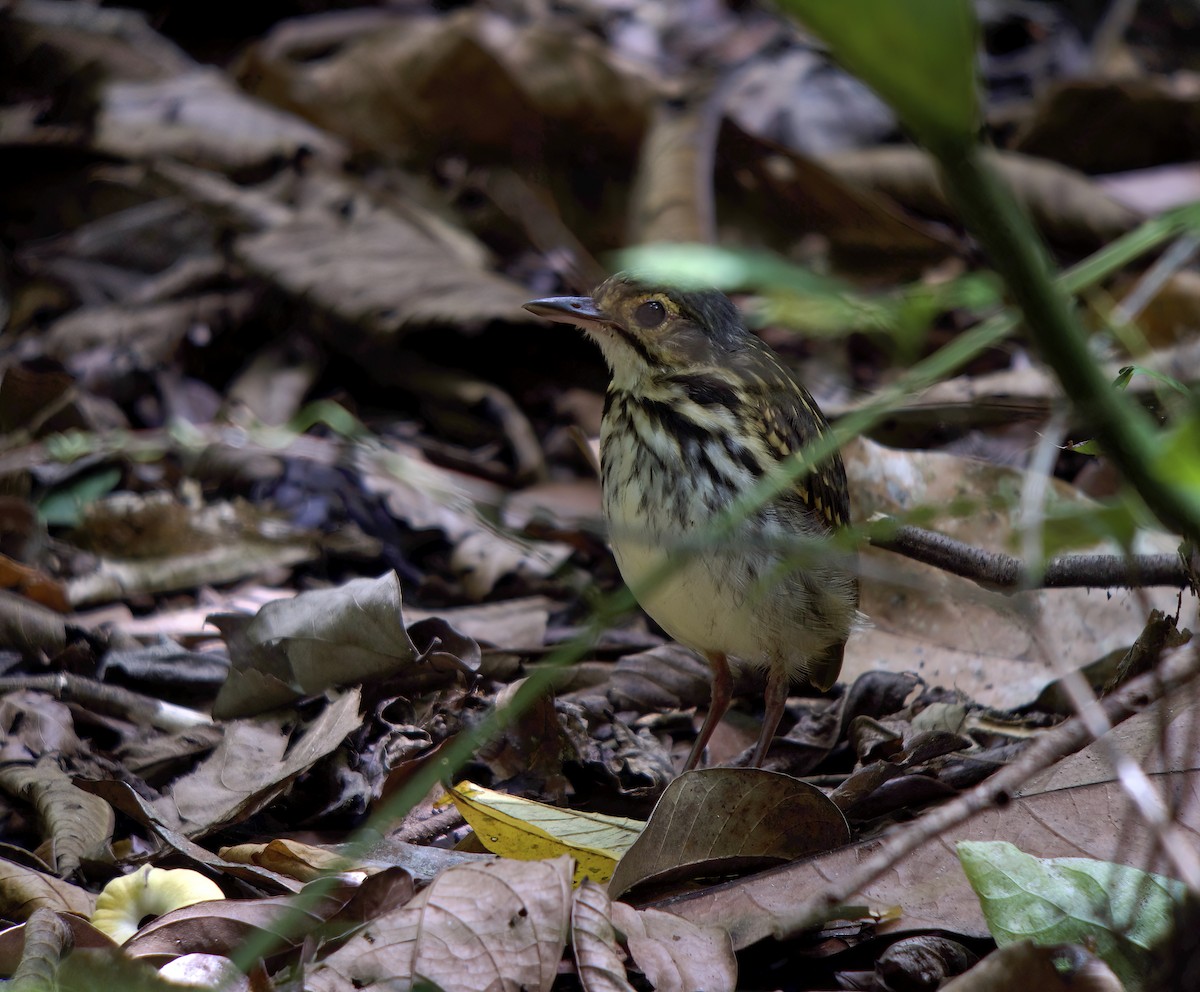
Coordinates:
(531, 831)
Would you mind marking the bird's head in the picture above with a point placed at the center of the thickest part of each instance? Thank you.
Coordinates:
(646, 330)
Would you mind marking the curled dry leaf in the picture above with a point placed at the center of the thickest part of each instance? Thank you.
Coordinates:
(719, 820)
(502, 924)
(674, 954)
(78, 825)
(598, 958)
(352, 633)
(22, 890)
(254, 764)
(222, 927)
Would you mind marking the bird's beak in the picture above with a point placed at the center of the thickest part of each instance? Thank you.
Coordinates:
(568, 309)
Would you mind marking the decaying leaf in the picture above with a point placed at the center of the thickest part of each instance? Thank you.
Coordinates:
(504, 922)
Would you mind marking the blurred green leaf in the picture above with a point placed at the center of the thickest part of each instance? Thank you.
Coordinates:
(726, 269)
(919, 55)
(1178, 456)
(63, 506)
(1089, 447)
(809, 302)
(1124, 375)
(1070, 525)
(1121, 912)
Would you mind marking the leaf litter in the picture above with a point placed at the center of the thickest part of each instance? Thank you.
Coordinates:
(294, 504)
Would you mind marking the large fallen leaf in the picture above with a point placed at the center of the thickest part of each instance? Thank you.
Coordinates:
(500, 925)
(721, 820)
(531, 831)
(409, 86)
(160, 543)
(201, 117)
(1118, 912)
(1073, 808)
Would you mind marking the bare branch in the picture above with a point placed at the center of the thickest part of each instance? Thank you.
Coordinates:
(1004, 573)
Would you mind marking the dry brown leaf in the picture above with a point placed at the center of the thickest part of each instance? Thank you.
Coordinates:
(160, 542)
(1114, 124)
(598, 960)
(254, 764)
(222, 926)
(29, 627)
(502, 924)
(164, 825)
(382, 272)
(410, 87)
(721, 820)
(793, 193)
(33, 584)
(1066, 206)
(22, 890)
(674, 954)
(200, 116)
(39, 723)
(75, 825)
(349, 634)
(1075, 809)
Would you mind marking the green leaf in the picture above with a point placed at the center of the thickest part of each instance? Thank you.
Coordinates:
(63, 507)
(1121, 912)
(1070, 524)
(1178, 456)
(919, 55)
(1127, 372)
(728, 269)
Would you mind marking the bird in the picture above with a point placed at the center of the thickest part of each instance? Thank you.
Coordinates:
(699, 411)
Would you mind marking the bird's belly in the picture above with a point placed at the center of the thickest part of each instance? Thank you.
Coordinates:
(687, 599)
(714, 598)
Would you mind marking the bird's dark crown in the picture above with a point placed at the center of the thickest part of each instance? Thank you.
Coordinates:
(623, 299)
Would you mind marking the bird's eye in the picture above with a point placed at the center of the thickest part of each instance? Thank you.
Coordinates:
(650, 314)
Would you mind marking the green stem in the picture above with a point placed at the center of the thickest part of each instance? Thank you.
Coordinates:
(1124, 429)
